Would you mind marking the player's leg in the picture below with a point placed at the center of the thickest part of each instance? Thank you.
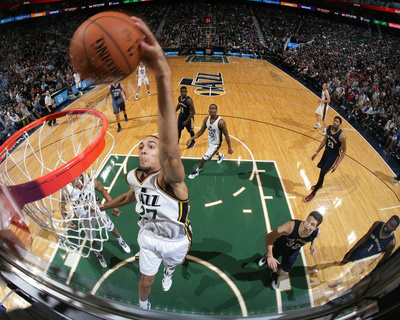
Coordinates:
(285, 267)
(323, 117)
(116, 112)
(317, 113)
(173, 254)
(145, 284)
(118, 122)
(211, 151)
(148, 86)
(113, 230)
(190, 129)
(123, 109)
(138, 86)
(180, 127)
(89, 225)
(149, 263)
(316, 187)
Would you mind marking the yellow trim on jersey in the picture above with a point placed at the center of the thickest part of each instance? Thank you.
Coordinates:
(145, 178)
(170, 195)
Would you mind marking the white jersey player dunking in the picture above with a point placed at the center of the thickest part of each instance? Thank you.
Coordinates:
(216, 127)
(158, 184)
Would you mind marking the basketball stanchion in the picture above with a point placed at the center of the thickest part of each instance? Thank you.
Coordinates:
(39, 160)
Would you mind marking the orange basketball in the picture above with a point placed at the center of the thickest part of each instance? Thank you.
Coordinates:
(105, 48)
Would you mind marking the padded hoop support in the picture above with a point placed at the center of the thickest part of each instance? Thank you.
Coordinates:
(48, 184)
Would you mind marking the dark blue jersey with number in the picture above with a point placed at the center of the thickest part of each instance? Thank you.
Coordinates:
(294, 241)
(184, 107)
(375, 244)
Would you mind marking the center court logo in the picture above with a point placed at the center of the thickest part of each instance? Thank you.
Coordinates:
(208, 84)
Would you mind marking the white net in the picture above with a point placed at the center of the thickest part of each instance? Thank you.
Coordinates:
(74, 217)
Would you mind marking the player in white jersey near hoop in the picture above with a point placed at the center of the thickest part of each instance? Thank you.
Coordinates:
(322, 109)
(216, 127)
(158, 187)
(81, 191)
(141, 74)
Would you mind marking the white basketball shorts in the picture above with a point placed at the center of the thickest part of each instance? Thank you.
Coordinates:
(156, 249)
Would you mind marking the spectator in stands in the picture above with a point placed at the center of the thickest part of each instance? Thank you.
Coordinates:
(71, 94)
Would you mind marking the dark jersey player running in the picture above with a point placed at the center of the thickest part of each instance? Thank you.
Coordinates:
(186, 115)
(335, 150)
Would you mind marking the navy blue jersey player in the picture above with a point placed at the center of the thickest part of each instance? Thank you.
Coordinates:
(335, 150)
(118, 102)
(379, 239)
(286, 242)
(186, 115)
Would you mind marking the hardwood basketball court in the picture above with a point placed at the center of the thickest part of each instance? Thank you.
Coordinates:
(270, 117)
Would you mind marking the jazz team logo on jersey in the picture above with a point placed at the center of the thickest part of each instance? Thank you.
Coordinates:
(208, 84)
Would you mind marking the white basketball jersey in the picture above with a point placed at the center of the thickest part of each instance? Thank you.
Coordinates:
(142, 71)
(160, 212)
(323, 97)
(81, 197)
(214, 134)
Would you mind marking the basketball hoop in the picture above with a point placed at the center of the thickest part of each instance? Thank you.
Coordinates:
(39, 160)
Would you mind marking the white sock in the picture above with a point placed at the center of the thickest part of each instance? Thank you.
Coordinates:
(143, 304)
(198, 169)
(120, 239)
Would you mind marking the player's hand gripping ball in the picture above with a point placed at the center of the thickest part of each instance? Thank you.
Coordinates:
(105, 48)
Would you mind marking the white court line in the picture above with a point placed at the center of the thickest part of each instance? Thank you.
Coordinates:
(390, 208)
(310, 293)
(210, 204)
(228, 281)
(206, 264)
(247, 211)
(239, 191)
(109, 272)
(268, 197)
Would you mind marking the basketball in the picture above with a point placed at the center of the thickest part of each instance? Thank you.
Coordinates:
(105, 48)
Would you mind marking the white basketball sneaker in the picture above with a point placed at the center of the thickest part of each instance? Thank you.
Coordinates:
(124, 246)
(167, 281)
(219, 161)
(102, 260)
(194, 174)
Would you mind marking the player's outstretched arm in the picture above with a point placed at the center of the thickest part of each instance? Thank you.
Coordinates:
(120, 201)
(342, 139)
(388, 252)
(100, 188)
(224, 129)
(312, 246)
(321, 145)
(270, 238)
(199, 133)
(172, 172)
